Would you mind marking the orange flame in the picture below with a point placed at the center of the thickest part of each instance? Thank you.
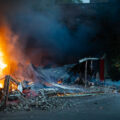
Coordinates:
(8, 51)
(3, 65)
(12, 58)
(2, 83)
(59, 82)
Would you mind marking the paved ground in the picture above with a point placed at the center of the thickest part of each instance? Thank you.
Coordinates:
(81, 108)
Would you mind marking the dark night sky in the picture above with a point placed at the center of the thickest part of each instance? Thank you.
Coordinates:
(47, 38)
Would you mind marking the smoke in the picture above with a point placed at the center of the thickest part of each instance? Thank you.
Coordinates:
(43, 35)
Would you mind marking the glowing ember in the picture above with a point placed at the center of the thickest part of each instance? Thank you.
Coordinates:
(2, 63)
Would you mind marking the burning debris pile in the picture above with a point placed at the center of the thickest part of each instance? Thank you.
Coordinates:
(25, 87)
(14, 99)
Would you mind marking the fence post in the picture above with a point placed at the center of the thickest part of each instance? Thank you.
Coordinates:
(6, 89)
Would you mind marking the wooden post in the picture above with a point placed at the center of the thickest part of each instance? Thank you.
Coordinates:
(86, 63)
(91, 66)
(6, 89)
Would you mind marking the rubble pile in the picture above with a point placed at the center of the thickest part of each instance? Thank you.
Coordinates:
(48, 99)
(43, 103)
(28, 104)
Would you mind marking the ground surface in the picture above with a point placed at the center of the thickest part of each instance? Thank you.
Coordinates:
(105, 107)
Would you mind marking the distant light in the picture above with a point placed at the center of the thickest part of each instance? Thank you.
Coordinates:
(86, 1)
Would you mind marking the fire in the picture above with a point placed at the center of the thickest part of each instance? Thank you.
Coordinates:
(59, 82)
(12, 59)
(3, 65)
(10, 55)
(1, 85)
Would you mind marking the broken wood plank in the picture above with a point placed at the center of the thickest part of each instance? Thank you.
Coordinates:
(14, 81)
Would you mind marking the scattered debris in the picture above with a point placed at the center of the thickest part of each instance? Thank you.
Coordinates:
(48, 92)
